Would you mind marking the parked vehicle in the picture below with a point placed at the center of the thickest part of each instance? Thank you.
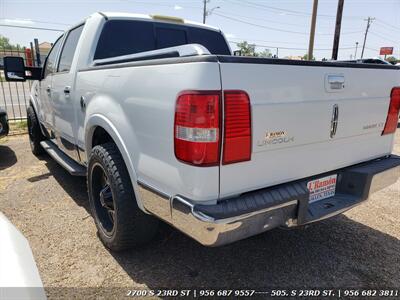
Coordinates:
(19, 278)
(166, 124)
(374, 60)
(4, 128)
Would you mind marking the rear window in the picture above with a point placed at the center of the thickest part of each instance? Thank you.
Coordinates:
(170, 37)
(212, 40)
(121, 37)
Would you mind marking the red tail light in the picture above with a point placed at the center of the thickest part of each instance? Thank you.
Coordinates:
(237, 127)
(393, 113)
(197, 128)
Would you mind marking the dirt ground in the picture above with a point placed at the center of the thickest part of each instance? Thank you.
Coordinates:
(360, 248)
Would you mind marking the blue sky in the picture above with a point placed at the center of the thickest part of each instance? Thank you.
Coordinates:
(271, 24)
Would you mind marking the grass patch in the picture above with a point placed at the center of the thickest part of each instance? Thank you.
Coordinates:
(18, 126)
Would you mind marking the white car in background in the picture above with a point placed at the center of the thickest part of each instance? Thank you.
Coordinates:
(19, 276)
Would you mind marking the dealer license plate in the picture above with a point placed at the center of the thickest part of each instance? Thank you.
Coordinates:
(322, 188)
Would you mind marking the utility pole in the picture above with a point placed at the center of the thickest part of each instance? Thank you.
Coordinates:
(277, 52)
(355, 54)
(312, 31)
(204, 11)
(37, 51)
(207, 12)
(336, 39)
(369, 22)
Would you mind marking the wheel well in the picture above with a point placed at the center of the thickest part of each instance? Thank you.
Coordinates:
(100, 136)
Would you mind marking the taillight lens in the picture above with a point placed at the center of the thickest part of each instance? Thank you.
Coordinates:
(393, 113)
(197, 128)
(237, 127)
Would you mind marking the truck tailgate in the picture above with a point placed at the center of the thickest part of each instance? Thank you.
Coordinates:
(307, 119)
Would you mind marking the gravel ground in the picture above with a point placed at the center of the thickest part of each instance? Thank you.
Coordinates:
(360, 248)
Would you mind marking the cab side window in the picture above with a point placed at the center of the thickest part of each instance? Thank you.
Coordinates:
(50, 66)
(68, 51)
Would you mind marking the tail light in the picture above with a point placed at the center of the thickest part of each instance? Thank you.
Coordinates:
(237, 127)
(393, 113)
(197, 128)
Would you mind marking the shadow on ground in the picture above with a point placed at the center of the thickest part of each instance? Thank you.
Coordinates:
(75, 186)
(7, 157)
(338, 252)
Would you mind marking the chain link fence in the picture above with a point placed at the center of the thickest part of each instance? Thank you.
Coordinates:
(14, 96)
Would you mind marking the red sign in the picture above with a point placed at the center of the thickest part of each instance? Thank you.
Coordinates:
(28, 56)
(386, 51)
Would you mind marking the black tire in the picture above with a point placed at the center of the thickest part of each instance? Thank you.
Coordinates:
(35, 134)
(120, 223)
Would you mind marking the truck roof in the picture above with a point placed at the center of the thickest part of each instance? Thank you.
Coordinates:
(159, 18)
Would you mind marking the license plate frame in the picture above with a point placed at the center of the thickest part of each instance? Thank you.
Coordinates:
(322, 188)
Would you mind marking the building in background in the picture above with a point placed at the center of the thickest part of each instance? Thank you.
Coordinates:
(44, 49)
(294, 57)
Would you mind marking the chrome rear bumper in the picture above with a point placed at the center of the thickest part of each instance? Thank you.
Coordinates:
(284, 205)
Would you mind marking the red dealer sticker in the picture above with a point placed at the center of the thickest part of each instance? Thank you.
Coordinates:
(322, 188)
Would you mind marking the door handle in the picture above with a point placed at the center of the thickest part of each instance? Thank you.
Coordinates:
(67, 90)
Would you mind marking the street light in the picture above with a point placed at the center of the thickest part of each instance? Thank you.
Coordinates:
(355, 54)
(210, 11)
(207, 12)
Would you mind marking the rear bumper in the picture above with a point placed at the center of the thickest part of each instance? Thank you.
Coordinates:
(3, 124)
(284, 205)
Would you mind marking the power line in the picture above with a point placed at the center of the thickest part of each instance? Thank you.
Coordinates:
(261, 19)
(34, 21)
(287, 11)
(259, 25)
(382, 37)
(31, 27)
(274, 28)
(388, 25)
(385, 27)
(278, 42)
(292, 48)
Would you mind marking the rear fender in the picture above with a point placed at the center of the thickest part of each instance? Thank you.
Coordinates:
(100, 120)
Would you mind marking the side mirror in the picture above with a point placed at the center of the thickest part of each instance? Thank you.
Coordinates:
(14, 68)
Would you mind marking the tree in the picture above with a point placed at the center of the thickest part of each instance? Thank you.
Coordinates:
(391, 59)
(266, 53)
(6, 45)
(247, 49)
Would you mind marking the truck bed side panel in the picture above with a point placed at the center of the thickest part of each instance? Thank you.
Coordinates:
(140, 103)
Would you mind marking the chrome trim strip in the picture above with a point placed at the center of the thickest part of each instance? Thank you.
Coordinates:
(202, 217)
(150, 188)
(384, 179)
(211, 232)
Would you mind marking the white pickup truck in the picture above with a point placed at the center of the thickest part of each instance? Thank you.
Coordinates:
(167, 124)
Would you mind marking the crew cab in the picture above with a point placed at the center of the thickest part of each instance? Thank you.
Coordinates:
(167, 125)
